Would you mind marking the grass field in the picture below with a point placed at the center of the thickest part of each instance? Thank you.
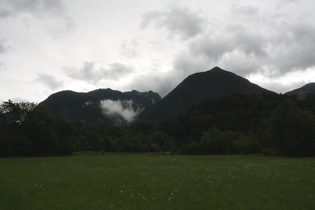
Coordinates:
(147, 181)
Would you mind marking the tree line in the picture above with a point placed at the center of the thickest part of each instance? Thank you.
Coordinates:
(236, 124)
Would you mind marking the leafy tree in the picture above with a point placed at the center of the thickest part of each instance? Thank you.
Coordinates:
(292, 130)
(48, 135)
(247, 144)
(215, 141)
(237, 113)
(13, 139)
(15, 113)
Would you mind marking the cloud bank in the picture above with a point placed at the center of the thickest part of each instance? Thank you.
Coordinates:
(248, 42)
(269, 45)
(151, 45)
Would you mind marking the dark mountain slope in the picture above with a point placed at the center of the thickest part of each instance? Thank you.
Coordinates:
(305, 90)
(196, 88)
(141, 98)
(87, 107)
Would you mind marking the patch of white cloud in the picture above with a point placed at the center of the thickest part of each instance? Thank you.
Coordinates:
(121, 109)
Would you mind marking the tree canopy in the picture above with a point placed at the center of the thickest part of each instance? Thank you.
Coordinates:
(236, 124)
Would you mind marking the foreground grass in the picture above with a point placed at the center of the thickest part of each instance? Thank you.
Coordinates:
(143, 181)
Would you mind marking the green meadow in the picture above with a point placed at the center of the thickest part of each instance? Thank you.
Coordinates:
(152, 181)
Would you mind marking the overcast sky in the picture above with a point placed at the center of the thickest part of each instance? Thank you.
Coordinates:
(52, 45)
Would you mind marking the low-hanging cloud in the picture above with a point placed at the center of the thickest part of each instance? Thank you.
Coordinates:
(121, 111)
(89, 73)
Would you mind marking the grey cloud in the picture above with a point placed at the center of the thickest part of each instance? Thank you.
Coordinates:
(3, 67)
(4, 13)
(187, 63)
(39, 9)
(240, 63)
(91, 74)
(36, 7)
(70, 24)
(283, 3)
(294, 49)
(161, 82)
(177, 20)
(87, 72)
(50, 81)
(130, 49)
(249, 42)
(117, 70)
(214, 46)
(245, 10)
(210, 47)
(273, 48)
(235, 52)
(4, 47)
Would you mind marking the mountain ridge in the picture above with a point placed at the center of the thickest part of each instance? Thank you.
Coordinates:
(196, 88)
(113, 107)
(309, 88)
(100, 106)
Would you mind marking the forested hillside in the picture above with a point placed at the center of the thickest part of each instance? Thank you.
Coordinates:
(101, 106)
(234, 124)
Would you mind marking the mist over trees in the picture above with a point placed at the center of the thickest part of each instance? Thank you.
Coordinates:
(235, 124)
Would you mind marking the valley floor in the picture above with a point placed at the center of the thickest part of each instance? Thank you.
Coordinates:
(152, 181)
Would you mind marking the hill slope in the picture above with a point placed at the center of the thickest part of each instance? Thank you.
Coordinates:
(196, 88)
(102, 106)
(303, 91)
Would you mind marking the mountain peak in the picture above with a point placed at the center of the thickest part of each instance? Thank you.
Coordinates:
(214, 71)
(216, 68)
(198, 87)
